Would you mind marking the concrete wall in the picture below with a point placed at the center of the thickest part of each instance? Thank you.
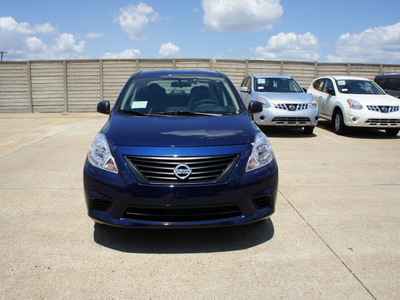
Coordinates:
(78, 85)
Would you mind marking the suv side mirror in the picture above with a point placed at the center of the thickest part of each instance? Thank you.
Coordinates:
(331, 91)
(244, 89)
(103, 107)
(255, 107)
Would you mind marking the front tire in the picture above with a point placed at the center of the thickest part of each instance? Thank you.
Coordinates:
(338, 123)
(392, 131)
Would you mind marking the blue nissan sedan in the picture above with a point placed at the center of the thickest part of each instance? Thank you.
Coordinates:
(180, 150)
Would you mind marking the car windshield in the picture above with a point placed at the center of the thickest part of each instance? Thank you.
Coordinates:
(276, 85)
(357, 86)
(190, 96)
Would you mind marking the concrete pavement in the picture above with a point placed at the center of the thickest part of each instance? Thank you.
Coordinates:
(335, 234)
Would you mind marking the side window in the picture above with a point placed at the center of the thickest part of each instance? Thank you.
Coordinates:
(248, 84)
(320, 84)
(328, 85)
(394, 84)
(244, 81)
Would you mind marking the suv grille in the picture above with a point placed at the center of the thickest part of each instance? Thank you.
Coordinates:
(195, 170)
(291, 107)
(182, 214)
(383, 108)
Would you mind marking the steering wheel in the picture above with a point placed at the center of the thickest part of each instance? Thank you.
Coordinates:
(205, 101)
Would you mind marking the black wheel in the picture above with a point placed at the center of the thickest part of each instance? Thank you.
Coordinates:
(338, 123)
(308, 129)
(392, 131)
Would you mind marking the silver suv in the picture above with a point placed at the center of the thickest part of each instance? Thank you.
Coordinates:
(285, 103)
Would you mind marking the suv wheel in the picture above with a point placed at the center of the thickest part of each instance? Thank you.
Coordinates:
(338, 123)
(392, 131)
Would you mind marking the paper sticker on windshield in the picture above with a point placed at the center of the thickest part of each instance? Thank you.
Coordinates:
(341, 82)
(139, 104)
(261, 80)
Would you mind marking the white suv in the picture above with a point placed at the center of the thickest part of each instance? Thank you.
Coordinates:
(285, 103)
(355, 102)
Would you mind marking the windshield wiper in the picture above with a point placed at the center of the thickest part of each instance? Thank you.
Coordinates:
(133, 112)
(187, 113)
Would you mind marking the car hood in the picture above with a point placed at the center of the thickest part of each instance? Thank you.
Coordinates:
(286, 97)
(125, 130)
(373, 99)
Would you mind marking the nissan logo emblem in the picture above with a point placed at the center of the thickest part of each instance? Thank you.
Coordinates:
(182, 171)
(385, 109)
(292, 107)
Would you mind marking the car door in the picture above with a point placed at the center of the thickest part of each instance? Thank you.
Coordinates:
(328, 94)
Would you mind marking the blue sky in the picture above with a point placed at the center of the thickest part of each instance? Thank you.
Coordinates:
(324, 31)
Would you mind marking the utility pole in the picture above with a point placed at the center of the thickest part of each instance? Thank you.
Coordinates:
(2, 53)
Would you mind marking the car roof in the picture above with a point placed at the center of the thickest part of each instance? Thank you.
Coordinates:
(393, 75)
(165, 73)
(345, 78)
(270, 76)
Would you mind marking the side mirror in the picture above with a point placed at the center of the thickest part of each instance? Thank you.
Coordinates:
(103, 107)
(331, 91)
(255, 107)
(244, 89)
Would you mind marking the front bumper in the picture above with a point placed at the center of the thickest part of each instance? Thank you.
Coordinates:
(273, 116)
(120, 200)
(366, 118)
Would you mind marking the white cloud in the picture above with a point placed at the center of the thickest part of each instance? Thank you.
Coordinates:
(168, 50)
(95, 35)
(289, 46)
(24, 42)
(129, 53)
(374, 45)
(134, 18)
(45, 28)
(241, 15)
(66, 46)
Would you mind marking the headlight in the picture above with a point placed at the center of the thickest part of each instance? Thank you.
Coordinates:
(262, 153)
(100, 155)
(354, 104)
(314, 104)
(264, 102)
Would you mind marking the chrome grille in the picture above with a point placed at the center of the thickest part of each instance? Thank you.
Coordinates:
(383, 121)
(383, 108)
(291, 107)
(160, 170)
(291, 120)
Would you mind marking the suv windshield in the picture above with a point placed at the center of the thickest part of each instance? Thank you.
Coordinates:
(276, 85)
(355, 86)
(179, 96)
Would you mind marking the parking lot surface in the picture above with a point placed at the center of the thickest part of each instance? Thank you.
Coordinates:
(335, 233)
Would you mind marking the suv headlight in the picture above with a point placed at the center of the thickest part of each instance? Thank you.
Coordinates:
(100, 155)
(264, 102)
(261, 154)
(354, 104)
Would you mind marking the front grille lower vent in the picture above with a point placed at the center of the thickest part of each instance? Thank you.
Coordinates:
(102, 204)
(182, 214)
(201, 169)
(291, 120)
(383, 122)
